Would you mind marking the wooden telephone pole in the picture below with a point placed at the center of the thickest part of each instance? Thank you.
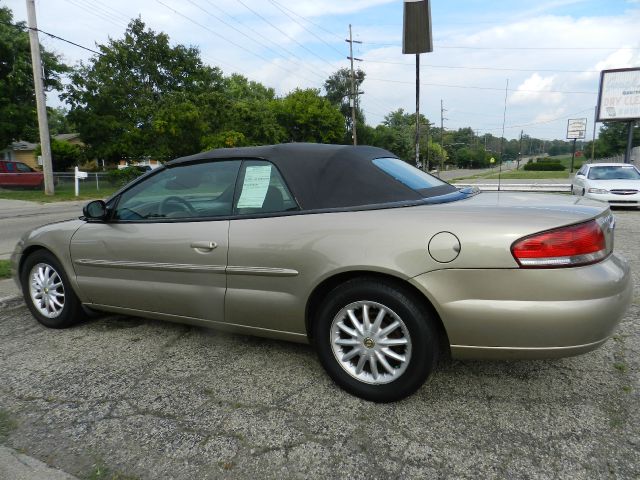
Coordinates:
(354, 91)
(41, 103)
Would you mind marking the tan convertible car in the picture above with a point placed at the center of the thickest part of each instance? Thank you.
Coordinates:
(383, 268)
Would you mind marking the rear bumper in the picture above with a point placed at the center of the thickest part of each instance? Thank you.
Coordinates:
(528, 313)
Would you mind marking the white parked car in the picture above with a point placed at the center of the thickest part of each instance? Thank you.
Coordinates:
(617, 184)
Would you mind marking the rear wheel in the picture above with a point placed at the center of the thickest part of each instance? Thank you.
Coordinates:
(47, 291)
(375, 340)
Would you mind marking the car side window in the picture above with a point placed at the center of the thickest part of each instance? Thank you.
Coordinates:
(181, 192)
(10, 167)
(23, 168)
(261, 189)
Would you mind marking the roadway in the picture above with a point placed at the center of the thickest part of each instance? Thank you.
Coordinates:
(17, 217)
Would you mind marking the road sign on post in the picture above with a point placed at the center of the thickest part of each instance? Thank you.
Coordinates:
(417, 39)
(576, 129)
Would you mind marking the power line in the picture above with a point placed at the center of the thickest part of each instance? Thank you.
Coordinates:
(108, 8)
(484, 68)
(475, 87)
(228, 40)
(286, 34)
(282, 9)
(249, 37)
(117, 17)
(94, 13)
(24, 28)
(339, 37)
(563, 117)
(464, 47)
(258, 34)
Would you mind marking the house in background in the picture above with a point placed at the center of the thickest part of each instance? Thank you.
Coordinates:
(21, 151)
(25, 152)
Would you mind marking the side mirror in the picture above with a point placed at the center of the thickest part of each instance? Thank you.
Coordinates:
(96, 210)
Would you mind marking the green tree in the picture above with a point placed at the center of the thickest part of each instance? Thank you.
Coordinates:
(308, 117)
(142, 97)
(338, 92)
(18, 120)
(58, 121)
(252, 111)
(64, 155)
(612, 139)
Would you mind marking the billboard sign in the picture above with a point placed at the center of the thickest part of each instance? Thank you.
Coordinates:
(619, 95)
(576, 128)
(416, 27)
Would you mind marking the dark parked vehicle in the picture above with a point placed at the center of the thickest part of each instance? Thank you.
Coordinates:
(18, 174)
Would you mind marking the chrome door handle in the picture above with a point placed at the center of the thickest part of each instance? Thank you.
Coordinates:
(204, 245)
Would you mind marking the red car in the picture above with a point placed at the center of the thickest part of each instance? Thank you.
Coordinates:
(18, 174)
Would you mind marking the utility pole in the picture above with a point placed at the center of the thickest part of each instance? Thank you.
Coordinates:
(519, 150)
(354, 92)
(41, 103)
(593, 142)
(427, 167)
(442, 119)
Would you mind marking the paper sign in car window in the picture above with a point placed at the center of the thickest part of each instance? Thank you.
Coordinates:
(255, 186)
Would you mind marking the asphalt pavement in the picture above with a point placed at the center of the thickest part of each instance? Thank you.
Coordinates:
(17, 217)
(122, 397)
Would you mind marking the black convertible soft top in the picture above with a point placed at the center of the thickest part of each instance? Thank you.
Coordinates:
(326, 176)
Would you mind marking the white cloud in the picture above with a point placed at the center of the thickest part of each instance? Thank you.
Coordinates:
(536, 89)
(549, 116)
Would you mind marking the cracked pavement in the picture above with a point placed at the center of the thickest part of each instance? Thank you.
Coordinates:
(154, 400)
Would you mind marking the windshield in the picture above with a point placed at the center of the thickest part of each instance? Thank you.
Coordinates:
(407, 174)
(622, 172)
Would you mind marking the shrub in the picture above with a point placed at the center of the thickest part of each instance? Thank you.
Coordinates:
(545, 166)
(123, 176)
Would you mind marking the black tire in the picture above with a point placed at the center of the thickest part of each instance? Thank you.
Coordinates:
(422, 333)
(71, 311)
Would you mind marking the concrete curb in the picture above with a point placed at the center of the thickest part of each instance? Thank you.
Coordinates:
(18, 466)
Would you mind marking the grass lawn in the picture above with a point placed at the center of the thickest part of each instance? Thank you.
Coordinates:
(5, 270)
(530, 174)
(516, 174)
(63, 192)
(525, 174)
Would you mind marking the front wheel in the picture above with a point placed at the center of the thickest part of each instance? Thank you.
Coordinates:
(47, 291)
(376, 340)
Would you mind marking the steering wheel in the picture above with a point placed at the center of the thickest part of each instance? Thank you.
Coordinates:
(164, 209)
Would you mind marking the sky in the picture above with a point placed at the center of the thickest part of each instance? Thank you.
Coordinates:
(550, 52)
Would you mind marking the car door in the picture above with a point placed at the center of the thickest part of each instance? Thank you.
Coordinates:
(164, 246)
(263, 270)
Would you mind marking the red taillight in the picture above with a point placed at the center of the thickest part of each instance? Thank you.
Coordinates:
(563, 247)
